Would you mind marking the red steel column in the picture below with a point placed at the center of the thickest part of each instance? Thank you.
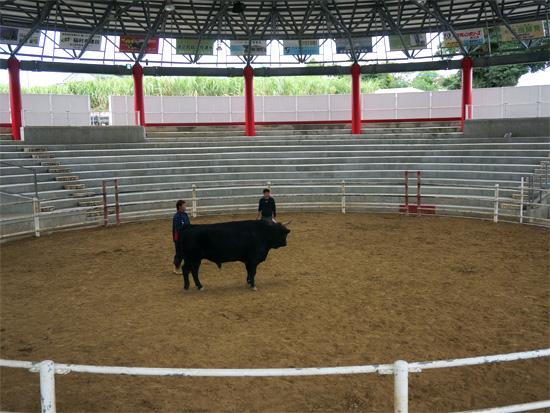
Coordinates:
(139, 106)
(15, 97)
(467, 74)
(355, 99)
(249, 128)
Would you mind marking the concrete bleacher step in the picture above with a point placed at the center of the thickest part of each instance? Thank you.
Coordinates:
(47, 208)
(66, 178)
(35, 149)
(74, 186)
(59, 170)
(90, 203)
(82, 194)
(42, 155)
(49, 163)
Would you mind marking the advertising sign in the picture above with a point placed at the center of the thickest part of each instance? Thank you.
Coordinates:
(135, 43)
(76, 41)
(415, 41)
(13, 35)
(243, 48)
(470, 37)
(195, 46)
(360, 45)
(525, 31)
(308, 46)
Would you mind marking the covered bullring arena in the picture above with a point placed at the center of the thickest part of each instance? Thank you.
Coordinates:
(416, 274)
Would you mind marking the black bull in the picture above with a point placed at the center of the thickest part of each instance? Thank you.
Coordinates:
(248, 242)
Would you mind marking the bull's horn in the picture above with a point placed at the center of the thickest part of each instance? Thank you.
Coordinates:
(286, 223)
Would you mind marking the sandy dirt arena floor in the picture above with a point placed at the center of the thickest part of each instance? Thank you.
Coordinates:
(347, 290)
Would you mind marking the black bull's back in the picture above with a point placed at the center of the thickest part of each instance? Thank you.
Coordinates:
(245, 241)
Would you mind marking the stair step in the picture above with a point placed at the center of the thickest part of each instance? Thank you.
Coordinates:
(44, 155)
(39, 149)
(66, 178)
(74, 186)
(82, 194)
(49, 163)
(509, 206)
(95, 212)
(90, 203)
(47, 208)
(58, 170)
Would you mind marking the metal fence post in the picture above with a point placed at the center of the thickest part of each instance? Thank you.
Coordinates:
(269, 185)
(35, 183)
(36, 216)
(343, 197)
(105, 207)
(407, 192)
(194, 200)
(47, 386)
(401, 386)
(495, 217)
(418, 199)
(521, 202)
(117, 204)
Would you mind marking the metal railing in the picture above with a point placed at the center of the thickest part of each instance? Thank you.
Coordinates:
(32, 170)
(400, 369)
(497, 203)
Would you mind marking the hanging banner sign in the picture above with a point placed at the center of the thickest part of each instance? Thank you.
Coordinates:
(76, 41)
(243, 48)
(412, 42)
(135, 43)
(525, 31)
(14, 35)
(308, 46)
(195, 47)
(471, 37)
(360, 45)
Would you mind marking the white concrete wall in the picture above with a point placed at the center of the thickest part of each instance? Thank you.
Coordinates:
(508, 102)
(49, 110)
(70, 110)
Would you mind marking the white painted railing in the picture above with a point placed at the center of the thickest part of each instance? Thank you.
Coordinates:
(345, 196)
(400, 370)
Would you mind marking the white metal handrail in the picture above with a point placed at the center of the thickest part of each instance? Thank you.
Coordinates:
(400, 369)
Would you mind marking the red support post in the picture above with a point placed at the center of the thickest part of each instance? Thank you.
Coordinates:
(139, 106)
(249, 127)
(356, 99)
(15, 97)
(467, 74)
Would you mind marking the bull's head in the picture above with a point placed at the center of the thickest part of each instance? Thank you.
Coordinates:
(278, 234)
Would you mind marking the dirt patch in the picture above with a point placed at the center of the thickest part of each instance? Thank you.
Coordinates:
(348, 289)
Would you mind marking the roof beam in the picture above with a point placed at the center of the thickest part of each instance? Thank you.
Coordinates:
(152, 30)
(45, 66)
(48, 6)
(436, 13)
(385, 16)
(506, 22)
(102, 22)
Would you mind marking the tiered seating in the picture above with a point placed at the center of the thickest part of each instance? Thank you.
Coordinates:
(297, 161)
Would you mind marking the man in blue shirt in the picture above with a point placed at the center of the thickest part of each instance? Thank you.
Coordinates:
(180, 220)
(266, 207)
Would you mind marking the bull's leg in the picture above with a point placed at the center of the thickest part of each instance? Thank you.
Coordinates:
(195, 272)
(251, 273)
(185, 270)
